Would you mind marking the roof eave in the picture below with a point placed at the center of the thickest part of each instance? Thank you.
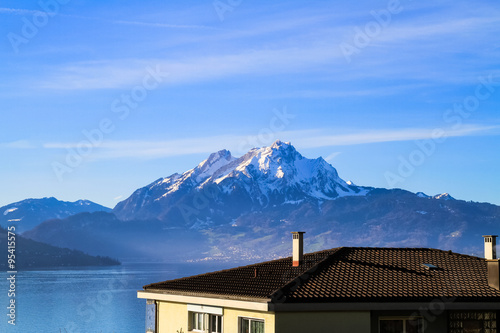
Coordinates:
(226, 301)
(369, 306)
(208, 295)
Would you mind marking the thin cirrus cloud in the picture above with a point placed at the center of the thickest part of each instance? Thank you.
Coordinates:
(408, 134)
(20, 144)
(110, 74)
(21, 11)
(163, 25)
(240, 144)
(320, 54)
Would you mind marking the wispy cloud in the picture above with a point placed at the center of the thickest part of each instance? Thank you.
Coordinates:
(238, 144)
(21, 11)
(394, 135)
(17, 11)
(387, 55)
(20, 144)
(332, 156)
(141, 23)
(119, 74)
(163, 25)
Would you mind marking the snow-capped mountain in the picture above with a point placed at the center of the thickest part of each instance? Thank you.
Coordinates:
(28, 213)
(280, 166)
(244, 208)
(442, 196)
(273, 175)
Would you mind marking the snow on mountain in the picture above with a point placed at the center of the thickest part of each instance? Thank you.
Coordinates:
(277, 174)
(196, 176)
(10, 210)
(215, 162)
(443, 196)
(268, 170)
(31, 212)
(242, 208)
(263, 177)
(223, 188)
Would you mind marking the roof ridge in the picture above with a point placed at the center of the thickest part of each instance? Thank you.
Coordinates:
(241, 267)
(412, 248)
(278, 294)
(221, 271)
(336, 249)
(345, 274)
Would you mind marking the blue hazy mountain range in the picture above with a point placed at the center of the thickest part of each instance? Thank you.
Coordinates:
(242, 209)
(29, 213)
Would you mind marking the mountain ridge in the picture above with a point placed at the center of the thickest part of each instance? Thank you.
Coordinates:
(32, 254)
(272, 168)
(28, 213)
(229, 208)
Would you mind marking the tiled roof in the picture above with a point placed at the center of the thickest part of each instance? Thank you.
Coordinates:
(253, 281)
(348, 274)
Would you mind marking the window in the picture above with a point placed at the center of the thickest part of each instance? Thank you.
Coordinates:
(472, 322)
(250, 325)
(215, 324)
(197, 321)
(401, 325)
(205, 322)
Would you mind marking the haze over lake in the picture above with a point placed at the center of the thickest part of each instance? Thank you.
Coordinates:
(88, 300)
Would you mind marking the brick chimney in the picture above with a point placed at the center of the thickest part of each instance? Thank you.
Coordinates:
(298, 247)
(490, 253)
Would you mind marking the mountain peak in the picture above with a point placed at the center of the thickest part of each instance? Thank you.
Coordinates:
(280, 144)
(444, 196)
(280, 170)
(273, 175)
(280, 152)
(213, 163)
(221, 155)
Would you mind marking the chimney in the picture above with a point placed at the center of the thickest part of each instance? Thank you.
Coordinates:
(490, 253)
(298, 247)
(490, 246)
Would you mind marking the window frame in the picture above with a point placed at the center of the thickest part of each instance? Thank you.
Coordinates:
(250, 319)
(405, 319)
(492, 314)
(193, 320)
(214, 316)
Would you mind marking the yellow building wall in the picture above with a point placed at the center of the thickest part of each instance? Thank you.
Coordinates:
(231, 319)
(172, 317)
(331, 322)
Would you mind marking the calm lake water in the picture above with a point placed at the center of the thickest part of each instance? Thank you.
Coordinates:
(87, 300)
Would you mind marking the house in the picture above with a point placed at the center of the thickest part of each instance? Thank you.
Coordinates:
(345, 289)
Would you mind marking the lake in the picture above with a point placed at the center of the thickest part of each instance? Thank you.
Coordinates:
(86, 300)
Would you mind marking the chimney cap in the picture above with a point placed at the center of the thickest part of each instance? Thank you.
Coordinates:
(298, 232)
(490, 236)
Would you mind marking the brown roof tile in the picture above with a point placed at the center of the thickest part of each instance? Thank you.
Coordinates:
(348, 274)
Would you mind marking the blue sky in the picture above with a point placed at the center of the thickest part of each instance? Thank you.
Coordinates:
(101, 98)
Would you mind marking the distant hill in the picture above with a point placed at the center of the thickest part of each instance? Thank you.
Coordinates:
(30, 254)
(102, 233)
(29, 213)
(243, 208)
